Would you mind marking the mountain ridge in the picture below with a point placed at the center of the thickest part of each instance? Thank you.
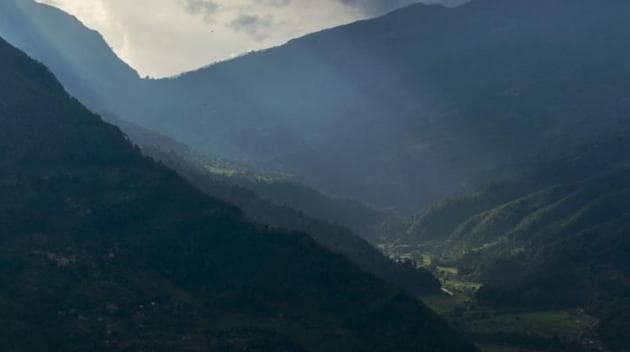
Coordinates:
(80, 57)
(275, 203)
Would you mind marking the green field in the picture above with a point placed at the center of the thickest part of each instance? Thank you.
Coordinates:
(497, 330)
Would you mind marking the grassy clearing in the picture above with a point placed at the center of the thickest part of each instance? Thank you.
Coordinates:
(426, 261)
(449, 277)
(447, 270)
(489, 327)
(444, 304)
(499, 330)
(458, 286)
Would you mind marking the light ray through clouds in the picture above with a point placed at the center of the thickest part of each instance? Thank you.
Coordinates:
(166, 37)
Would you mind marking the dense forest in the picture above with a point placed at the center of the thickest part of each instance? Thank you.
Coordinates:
(267, 200)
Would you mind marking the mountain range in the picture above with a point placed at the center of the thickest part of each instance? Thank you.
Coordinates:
(489, 142)
(105, 250)
(420, 123)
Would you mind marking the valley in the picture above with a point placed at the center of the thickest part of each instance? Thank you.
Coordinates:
(500, 329)
(537, 262)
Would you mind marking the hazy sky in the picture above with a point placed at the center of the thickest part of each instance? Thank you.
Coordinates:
(165, 37)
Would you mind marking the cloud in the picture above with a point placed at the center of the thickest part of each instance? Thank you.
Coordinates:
(205, 8)
(276, 3)
(166, 37)
(376, 7)
(255, 26)
(379, 7)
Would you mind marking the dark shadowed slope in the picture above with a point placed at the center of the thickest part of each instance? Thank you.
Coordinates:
(272, 209)
(105, 250)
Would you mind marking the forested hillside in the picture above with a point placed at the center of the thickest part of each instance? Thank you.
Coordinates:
(555, 237)
(103, 249)
(290, 206)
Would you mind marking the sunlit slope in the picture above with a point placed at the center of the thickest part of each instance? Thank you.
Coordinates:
(79, 57)
(554, 237)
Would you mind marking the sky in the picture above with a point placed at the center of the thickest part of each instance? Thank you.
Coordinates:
(166, 37)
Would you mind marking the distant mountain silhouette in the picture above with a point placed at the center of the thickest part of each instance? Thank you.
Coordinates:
(400, 110)
(408, 108)
(79, 57)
